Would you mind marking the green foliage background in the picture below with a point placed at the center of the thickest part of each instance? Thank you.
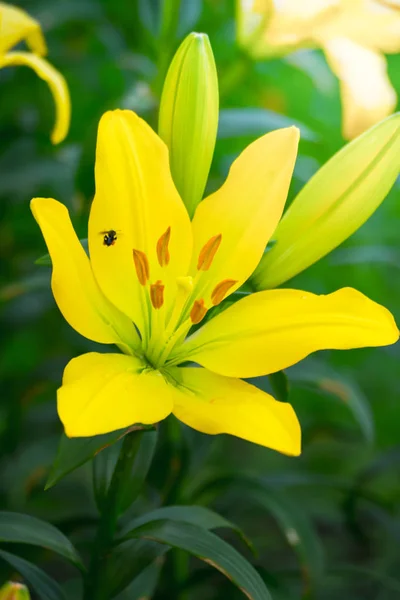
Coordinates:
(324, 525)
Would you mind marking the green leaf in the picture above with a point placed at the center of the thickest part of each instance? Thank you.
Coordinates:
(280, 385)
(104, 464)
(74, 452)
(141, 466)
(20, 528)
(45, 260)
(242, 122)
(144, 585)
(45, 587)
(198, 515)
(342, 388)
(128, 560)
(297, 528)
(211, 549)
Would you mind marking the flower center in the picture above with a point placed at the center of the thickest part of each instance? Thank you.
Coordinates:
(167, 329)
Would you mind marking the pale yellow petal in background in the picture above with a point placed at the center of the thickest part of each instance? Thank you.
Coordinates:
(75, 290)
(269, 331)
(373, 24)
(17, 26)
(105, 392)
(367, 94)
(136, 197)
(245, 210)
(213, 404)
(56, 83)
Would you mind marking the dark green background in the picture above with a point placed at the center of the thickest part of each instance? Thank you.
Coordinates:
(325, 525)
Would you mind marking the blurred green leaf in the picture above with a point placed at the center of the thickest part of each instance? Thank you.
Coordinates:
(104, 464)
(144, 585)
(198, 515)
(128, 560)
(74, 452)
(342, 388)
(242, 122)
(211, 549)
(280, 385)
(20, 528)
(298, 530)
(45, 587)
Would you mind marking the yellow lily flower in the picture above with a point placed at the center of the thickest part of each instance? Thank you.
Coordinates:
(354, 35)
(153, 274)
(17, 26)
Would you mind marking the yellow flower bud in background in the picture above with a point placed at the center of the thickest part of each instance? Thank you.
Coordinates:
(340, 197)
(188, 118)
(14, 591)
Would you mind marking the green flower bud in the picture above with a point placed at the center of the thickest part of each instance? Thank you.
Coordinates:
(188, 118)
(14, 591)
(336, 201)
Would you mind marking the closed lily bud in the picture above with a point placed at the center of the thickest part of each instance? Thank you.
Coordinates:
(188, 118)
(336, 201)
(14, 591)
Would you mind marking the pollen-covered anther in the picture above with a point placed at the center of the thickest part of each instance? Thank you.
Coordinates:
(157, 294)
(207, 253)
(162, 248)
(198, 311)
(221, 289)
(142, 266)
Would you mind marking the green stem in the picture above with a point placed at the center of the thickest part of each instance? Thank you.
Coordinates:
(94, 588)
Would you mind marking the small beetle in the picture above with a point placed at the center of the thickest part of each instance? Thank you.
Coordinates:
(110, 237)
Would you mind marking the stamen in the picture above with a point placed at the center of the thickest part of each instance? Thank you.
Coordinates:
(142, 266)
(198, 311)
(157, 294)
(208, 252)
(220, 290)
(162, 248)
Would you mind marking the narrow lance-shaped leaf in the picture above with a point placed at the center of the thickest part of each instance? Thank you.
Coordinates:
(24, 529)
(211, 549)
(336, 201)
(74, 452)
(198, 515)
(44, 586)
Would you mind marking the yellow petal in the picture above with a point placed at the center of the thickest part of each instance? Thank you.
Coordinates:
(56, 83)
(244, 212)
(213, 404)
(75, 290)
(373, 24)
(336, 201)
(104, 392)
(135, 197)
(16, 26)
(367, 94)
(269, 331)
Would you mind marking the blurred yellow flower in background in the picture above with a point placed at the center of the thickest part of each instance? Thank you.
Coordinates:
(354, 35)
(17, 26)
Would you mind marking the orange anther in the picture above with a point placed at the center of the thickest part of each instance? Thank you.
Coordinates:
(198, 311)
(220, 290)
(157, 294)
(162, 248)
(208, 252)
(142, 266)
